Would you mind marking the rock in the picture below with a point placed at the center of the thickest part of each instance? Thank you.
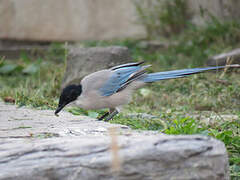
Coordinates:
(221, 59)
(142, 157)
(27, 123)
(73, 20)
(83, 61)
(81, 148)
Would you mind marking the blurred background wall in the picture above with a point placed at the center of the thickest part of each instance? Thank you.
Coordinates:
(221, 9)
(74, 20)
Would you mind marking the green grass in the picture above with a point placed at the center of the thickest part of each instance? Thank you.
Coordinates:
(179, 105)
(36, 90)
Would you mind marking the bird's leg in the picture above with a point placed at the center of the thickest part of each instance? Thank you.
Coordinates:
(112, 113)
(103, 116)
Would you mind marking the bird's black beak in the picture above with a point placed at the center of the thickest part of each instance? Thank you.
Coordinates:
(60, 107)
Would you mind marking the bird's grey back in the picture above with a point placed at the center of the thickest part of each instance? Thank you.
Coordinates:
(95, 80)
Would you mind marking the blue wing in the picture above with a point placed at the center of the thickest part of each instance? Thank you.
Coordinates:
(120, 76)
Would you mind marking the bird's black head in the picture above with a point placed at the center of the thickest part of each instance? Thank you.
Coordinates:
(69, 94)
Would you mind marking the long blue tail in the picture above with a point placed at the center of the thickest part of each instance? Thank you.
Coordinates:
(152, 77)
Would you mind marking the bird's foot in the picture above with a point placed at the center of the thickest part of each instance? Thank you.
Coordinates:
(111, 115)
(103, 116)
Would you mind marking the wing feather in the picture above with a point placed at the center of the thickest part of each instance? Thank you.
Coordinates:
(121, 76)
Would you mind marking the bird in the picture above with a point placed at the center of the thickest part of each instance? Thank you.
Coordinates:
(112, 88)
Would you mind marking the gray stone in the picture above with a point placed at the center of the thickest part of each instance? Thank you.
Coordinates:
(26, 123)
(83, 61)
(221, 59)
(77, 147)
(142, 157)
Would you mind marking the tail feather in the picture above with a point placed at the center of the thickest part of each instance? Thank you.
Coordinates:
(152, 77)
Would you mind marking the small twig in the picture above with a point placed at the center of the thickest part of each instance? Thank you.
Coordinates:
(2, 59)
(229, 61)
(220, 81)
(116, 162)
